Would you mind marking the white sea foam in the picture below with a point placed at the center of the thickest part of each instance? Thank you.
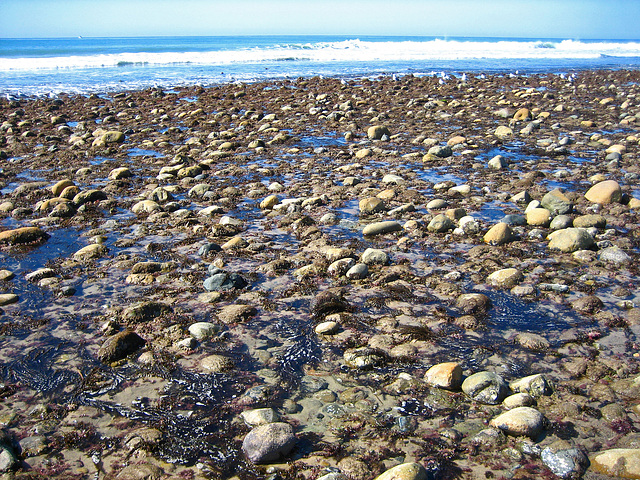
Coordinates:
(343, 51)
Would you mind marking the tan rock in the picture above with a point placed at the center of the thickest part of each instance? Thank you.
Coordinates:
(499, 234)
(60, 186)
(371, 205)
(269, 202)
(604, 192)
(539, 217)
(95, 250)
(522, 114)
(520, 421)
(503, 132)
(505, 278)
(446, 375)
(618, 462)
(405, 471)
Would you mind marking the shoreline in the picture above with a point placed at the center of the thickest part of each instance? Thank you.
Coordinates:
(315, 246)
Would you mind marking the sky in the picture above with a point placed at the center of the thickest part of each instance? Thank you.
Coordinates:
(575, 19)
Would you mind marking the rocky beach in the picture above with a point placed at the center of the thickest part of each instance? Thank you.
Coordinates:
(320, 278)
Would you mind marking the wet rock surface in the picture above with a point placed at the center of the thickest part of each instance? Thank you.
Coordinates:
(393, 268)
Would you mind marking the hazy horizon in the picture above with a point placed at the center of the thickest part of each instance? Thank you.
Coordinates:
(570, 19)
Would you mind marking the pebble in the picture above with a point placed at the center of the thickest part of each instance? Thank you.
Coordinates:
(268, 443)
(473, 303)
(520, 421)
(539, 217)
(358, 271)
(371, 205)
(535, 385)
(440, 224)
(6, 275)
(556, 202)
(561, 221)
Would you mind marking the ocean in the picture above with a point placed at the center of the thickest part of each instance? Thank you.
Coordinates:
(48, 67)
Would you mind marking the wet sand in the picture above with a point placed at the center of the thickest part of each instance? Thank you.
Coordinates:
(175, 261)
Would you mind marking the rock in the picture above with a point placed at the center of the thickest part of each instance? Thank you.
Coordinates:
(217, 363)
(440, 223)
(333, 476)
(440, 151)
(269, 202)
(518, 400)
(363, 358)
(379, 228)
(23, 235)
(371, 205)
(437, 204)
(203, 330)
(498, 163)
(327, 328)
(520, 421)
(94, 250)
(260, 416)
(499, 234)
(112, 137)
(532, 341)
(503, 132)
(614, 255)
(270, 442)
(120, 173)
(535, 385)
(146, 206)
(505, 278)
(326, 302)
(6, 275)
(565, 460)
(485, 387)
(405, 471)
(374, 256)
(445, 375)
(570, 239)
(358, 271)
(604, 192)
(522, 114)
(560, 222)
(589, 304)
(618, 462)
(8, 299)
(556, 202)
(145, 311)
(237, 313)
(224, 281)
(59, 187)
(235, 243)
(538, 217)
(392, 179)
(140, 471)
(469, 303)
(88, 196)
(587, 221)
(377, 132)
(119, 346)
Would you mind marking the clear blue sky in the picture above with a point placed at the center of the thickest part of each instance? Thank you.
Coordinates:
(518, 18)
